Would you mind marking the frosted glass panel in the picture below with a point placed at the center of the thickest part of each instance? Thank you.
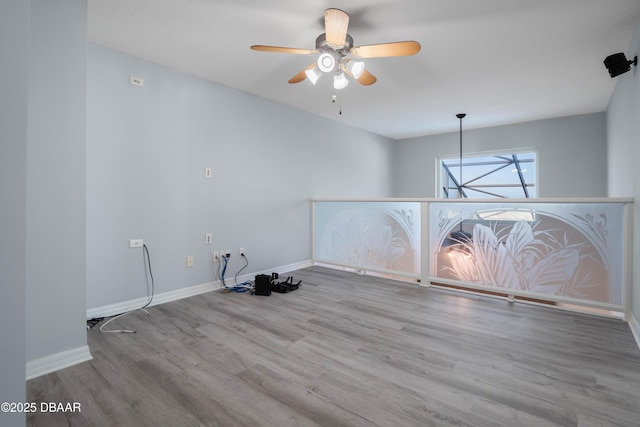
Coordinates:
(377, 236)
(573, 250)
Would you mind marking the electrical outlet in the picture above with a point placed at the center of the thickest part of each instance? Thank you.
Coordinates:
(241, 251)
(190, 261)
(207, 172)
(227, 253)
(136, 243)
(216, 256)
(136, 81)
(207, 239)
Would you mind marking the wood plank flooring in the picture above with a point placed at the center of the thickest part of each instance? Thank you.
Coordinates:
(349, 350)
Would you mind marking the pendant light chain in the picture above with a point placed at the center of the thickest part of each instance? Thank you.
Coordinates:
(460, 116)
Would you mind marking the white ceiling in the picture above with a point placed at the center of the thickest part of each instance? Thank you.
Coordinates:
(499, 61)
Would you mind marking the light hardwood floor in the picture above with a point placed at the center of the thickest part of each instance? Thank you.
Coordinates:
(349, 350)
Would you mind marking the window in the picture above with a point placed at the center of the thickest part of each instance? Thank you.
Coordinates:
(500, 175)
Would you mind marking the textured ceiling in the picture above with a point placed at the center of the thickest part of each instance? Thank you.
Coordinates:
(499, 61)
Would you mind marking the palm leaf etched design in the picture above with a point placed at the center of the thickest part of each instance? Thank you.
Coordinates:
(522, 258)
(364, 242)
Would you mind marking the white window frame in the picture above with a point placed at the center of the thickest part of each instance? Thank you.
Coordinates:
(503, 152)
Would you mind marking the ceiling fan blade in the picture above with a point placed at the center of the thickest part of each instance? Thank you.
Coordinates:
(280, 49)
(301, 75)
(386, 49)
(336, 23)
(366, 78)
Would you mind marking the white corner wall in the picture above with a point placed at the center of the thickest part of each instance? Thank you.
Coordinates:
(14, 59)
(571, 155)
(55, 194)
(147, 151)
(623, 137)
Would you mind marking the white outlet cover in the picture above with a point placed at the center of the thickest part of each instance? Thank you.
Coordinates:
(207, 172)
(136, 81)
(136, 243)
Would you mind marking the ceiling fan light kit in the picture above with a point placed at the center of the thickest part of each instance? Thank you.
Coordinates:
(356, 68)
(313, 74)
(327, 62)
(340, 81)
(335, 46)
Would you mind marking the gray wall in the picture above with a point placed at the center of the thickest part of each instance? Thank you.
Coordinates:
(56, 272)
(42, 165)
(623, 135)
(14, 50)
(147, 151)
(571, 155)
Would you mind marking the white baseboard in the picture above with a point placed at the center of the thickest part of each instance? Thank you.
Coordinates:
(292, 267)
(54, 362)
(122, 307)
(635, 328)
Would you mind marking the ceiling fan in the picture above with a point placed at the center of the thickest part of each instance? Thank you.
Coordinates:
(337, 51)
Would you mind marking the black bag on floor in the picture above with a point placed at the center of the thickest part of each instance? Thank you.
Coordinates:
(286, 286)
(262, 285)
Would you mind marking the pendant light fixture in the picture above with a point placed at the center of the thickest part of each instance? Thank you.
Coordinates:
(459, 240)
(460, 116)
